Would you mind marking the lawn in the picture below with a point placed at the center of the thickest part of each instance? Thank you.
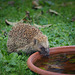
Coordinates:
(60, 33)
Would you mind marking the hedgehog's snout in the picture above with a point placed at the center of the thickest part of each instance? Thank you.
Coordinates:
(44, 51)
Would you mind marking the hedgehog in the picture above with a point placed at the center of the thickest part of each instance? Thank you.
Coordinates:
(27, 38)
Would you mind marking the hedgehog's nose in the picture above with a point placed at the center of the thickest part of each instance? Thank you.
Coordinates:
(44, 51)
(47, 52)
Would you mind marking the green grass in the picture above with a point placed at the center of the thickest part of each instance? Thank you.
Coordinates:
(61, 33)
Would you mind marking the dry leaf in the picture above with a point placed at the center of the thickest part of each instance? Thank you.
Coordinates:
(12, 23)
(36, 5)
(55, 66)
(53, 12)
(39, 26)
(28, 15)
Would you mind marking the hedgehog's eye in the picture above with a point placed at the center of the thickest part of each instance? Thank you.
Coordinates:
(35, 41)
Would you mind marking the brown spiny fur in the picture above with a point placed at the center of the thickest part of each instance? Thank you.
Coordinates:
(22, 37)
